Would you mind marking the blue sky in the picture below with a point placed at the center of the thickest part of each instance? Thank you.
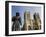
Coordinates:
(22, 9)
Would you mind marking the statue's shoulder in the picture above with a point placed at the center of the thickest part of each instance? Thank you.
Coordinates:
(13, 18)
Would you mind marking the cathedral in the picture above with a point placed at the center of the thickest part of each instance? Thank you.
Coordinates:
(28, 23)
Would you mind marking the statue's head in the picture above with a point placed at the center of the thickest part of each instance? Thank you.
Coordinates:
(17, 13)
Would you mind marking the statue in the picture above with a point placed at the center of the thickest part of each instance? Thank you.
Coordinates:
(16, 22)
